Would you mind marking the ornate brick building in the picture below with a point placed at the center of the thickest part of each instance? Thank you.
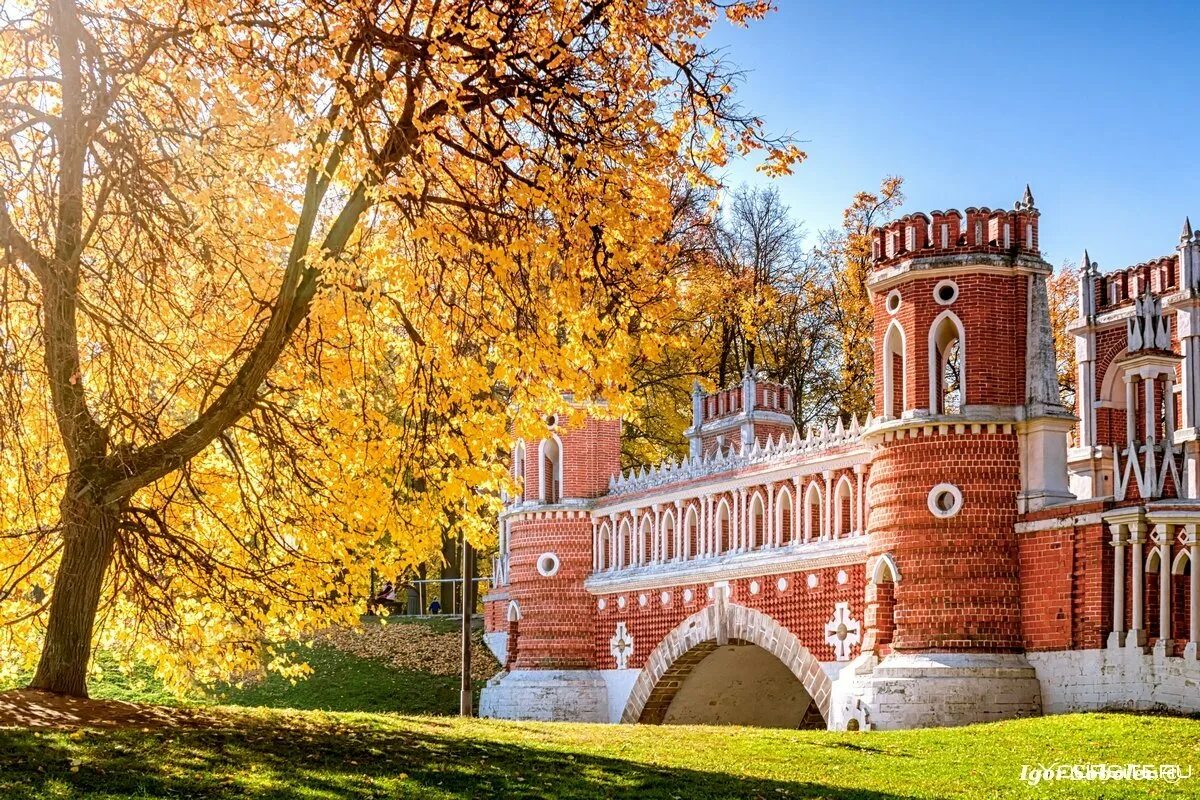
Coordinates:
(972, 551)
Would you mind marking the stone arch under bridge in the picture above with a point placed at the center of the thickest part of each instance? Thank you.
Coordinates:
(700, 635)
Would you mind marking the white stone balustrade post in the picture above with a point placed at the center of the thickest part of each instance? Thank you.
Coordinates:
(1137, 631)
(1117, 637)
(1165, 533)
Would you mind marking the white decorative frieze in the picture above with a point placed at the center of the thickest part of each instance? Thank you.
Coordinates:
(725, 459)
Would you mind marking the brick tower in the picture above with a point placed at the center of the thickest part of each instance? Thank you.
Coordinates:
(546, 555)
(969, 432)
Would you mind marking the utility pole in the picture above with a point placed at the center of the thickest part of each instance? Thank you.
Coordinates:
(466, 695)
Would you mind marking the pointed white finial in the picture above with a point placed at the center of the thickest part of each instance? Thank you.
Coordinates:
(1027, 200)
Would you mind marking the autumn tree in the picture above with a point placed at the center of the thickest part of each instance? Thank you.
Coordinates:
(1062, 289)
(274, 273)
(847, 252)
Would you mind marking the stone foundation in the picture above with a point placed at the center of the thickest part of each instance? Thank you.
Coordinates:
(1124, 677)
(934, 689)
(547, 695)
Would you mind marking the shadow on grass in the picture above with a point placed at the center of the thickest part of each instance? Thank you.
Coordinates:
(268, 762)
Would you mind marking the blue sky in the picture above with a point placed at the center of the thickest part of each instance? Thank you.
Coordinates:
(1096, 105)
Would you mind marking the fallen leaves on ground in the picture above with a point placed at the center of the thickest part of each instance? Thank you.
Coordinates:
(413, 646)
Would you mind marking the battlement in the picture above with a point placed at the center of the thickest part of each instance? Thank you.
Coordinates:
(953, 232)
(1123, 286)
(730, 402)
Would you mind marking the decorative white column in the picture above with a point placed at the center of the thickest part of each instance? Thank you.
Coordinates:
(1130, 412)
(1117, 637)
(740, 538)
(1151, 464)
(679, 532)
(659, 547)
(1193, 545)
(797, 504)
(614, 543)
(1165, 534)
(1137, 631)
(860, 503)
(769, 518)
(827, 517)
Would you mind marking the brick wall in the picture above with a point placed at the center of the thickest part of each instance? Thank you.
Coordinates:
(555, 611)
(992, 309)
(801, 609)
(960, 585)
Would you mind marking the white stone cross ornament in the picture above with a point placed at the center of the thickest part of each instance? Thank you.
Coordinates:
(621, 646)
(842, 631)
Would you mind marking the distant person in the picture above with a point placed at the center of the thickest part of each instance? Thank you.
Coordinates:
(386, 594)
(435, 607)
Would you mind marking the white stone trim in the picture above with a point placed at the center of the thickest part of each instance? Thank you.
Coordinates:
(809, 556)
(938, 491)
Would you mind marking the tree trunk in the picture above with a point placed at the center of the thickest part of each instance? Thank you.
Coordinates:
(450, 573)
(89, 533)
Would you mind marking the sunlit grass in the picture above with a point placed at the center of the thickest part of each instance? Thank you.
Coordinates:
(272, 754)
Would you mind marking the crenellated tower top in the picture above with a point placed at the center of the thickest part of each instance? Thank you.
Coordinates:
(953, 232)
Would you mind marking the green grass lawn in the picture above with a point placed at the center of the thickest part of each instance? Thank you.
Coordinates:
(317, 754)
(343, 682)
(340, 682)
(269, 754)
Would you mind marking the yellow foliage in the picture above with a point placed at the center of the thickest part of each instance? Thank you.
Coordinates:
(281, 279)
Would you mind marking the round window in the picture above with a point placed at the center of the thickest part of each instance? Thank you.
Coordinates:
(892, 304)
(946, 292)
(945, 500)
(547, 565)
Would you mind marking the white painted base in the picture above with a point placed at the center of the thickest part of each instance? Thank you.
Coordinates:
(920, 690)
(497, 642)
(547, 695)
(1124, 677)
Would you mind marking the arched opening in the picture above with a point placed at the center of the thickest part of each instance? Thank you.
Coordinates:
(737, 684)
(880, 617)
(645, 545)
(947, 365)
(785, 533)
(519, 469)
(1181, 600)
(722, 530)
(756, 536)
(1150, 614)
(669, 548)
(759, 674)
(550, 473)
(514, 632)
(895, 372)
(691, 533)
(624, 544)
(812, 513)
(605, 559)
(843, 509)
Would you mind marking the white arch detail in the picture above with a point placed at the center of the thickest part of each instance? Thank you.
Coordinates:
(843, 483)
(894, 341)
(784, 502)
(885, 564)
(722, 623)
(935, 364)
(558, 467)
(813, 512)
